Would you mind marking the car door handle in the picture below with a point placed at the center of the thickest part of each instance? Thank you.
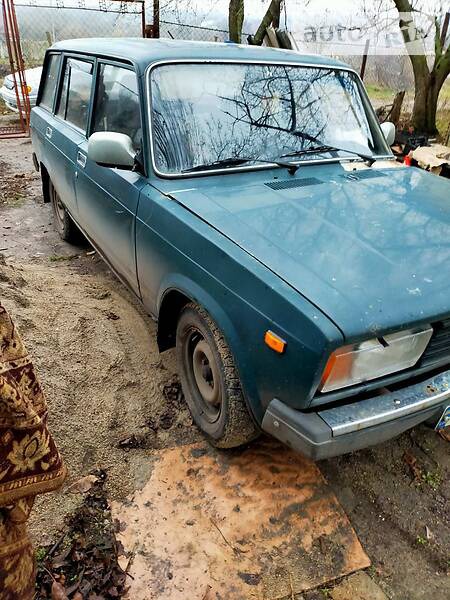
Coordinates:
(49, 132)
(81, 159)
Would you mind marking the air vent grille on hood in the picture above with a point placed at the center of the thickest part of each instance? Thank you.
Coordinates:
(292, 183)
(357, 175)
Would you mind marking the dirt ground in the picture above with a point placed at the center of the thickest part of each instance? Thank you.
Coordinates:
(112, 397)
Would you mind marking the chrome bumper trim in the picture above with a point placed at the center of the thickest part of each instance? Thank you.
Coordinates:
(387, 407)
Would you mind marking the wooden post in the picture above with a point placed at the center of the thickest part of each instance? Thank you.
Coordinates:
(396, 110)
(364, 60)
(143, 18)
(155, 19)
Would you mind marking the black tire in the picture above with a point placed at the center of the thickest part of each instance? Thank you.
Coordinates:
(64, 225)
(210, 381)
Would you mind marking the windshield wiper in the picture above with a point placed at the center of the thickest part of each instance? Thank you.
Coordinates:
(234, 161)
(327, 148)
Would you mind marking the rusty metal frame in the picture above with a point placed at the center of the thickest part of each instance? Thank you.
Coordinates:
(17, 65)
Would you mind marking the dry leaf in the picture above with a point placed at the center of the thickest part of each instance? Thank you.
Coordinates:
(58, 592)
(83, 485)
(411, 461)
(445, 434)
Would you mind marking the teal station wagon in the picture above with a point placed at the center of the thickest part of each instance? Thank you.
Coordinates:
(249, 198)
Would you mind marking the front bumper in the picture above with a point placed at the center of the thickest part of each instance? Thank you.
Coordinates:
(333, 431)
(9, 98)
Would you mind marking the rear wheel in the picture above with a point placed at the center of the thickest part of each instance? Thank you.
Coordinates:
(66, 228)
(210, 381)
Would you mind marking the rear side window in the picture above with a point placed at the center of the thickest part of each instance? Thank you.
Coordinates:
(49, 81)
(76, 92)
(117, 103)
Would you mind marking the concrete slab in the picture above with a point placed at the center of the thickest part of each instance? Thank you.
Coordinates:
(259, 523)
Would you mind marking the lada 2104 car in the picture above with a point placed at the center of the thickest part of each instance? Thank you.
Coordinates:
(249, 198)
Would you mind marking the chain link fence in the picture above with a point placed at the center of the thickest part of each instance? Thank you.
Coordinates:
(180, 31)
(42, 22)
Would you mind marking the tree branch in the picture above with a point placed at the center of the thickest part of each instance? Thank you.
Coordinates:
(272, 14)
(411, 36)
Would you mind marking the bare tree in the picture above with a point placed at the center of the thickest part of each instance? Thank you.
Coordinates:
(428, 80)
(235, 20)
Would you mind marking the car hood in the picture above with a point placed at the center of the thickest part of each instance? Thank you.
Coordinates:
(370, 248)
(32, 77)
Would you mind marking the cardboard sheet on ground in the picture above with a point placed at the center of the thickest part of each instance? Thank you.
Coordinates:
(258, 524)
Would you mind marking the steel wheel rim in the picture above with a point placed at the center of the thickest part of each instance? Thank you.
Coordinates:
(205, 376)
(58, 206)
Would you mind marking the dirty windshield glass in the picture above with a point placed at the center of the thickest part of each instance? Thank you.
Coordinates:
(204, 113)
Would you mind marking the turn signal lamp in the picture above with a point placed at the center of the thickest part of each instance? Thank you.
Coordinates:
(274, 342)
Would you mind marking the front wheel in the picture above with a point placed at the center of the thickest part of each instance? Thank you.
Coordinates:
(210, 382)
(66, 228)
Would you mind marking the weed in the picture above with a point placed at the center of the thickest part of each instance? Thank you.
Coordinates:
(40, 554)
(434, 480)
(421, 541)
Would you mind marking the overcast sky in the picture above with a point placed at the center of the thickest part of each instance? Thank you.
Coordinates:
(215, 12)
(301, 14)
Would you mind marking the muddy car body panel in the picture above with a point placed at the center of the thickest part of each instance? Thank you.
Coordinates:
(328, 254)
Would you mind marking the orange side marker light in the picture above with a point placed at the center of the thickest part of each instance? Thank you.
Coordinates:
(274, 342)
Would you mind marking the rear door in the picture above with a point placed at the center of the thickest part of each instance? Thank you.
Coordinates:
(108, 198)
(42, 116)
(66, 128)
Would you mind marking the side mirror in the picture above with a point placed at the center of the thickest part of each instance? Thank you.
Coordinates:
(388, 130)
(110, 149)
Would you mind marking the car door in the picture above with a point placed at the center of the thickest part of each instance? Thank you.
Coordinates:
(107, 197)
(42, 116)
(67, 128)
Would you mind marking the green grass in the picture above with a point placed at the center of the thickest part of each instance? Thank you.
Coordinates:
(444, 96)
(377, 92)
(434, 480)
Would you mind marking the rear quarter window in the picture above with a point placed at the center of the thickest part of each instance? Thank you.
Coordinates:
(49, 81)
(75, 95)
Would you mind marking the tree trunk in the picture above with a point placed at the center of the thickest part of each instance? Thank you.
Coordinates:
(425, 106)
(427, 83)
(419, 114)
(396, 110)
(235, 20)
(431, 108)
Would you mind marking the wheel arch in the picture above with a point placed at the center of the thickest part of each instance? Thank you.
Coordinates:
(174, 297)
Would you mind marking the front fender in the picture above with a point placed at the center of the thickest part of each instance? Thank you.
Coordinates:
(196, 293)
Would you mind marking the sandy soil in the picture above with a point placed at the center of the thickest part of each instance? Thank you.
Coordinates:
(112, 397)
(108, 388)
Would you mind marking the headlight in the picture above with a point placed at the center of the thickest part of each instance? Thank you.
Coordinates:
(354, 364)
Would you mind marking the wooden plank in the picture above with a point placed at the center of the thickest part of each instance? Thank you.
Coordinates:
(254, 523)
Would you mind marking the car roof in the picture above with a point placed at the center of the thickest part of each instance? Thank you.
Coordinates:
(142, 52)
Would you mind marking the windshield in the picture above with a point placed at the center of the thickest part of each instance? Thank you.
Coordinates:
(208, 112)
